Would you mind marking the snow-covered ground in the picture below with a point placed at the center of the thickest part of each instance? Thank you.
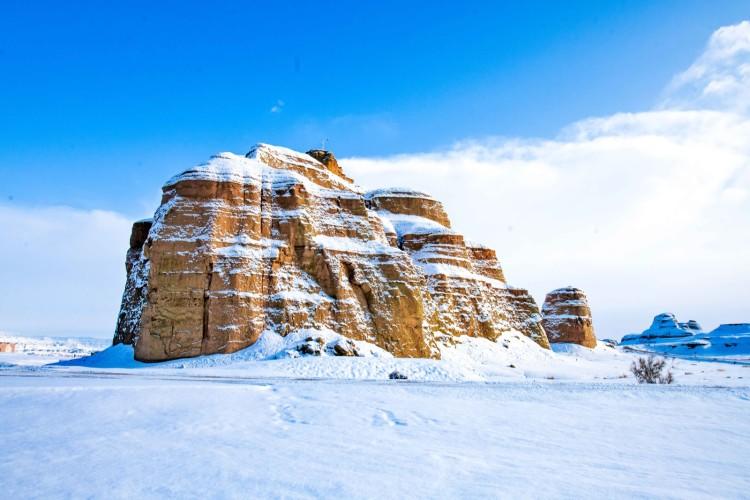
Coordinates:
(491, 419)
(101, 435)
(512, 357)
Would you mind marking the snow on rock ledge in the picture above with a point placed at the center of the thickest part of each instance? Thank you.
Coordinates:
(408, 202)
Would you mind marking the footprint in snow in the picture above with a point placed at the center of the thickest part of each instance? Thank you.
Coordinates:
(385, 417)
(285, 414)
(425, 420)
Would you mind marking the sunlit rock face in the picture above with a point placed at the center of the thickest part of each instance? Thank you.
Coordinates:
(567, 317)
(408, 202)
(280, 241)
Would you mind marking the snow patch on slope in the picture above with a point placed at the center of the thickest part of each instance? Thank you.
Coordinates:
(269, 346)
(355, 245)
(397, 192)
(404, 224)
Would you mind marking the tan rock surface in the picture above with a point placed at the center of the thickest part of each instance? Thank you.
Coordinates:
(567, 317)
(7, 347)
(280, 241)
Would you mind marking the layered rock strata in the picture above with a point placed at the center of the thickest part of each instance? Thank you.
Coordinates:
(567, 317)
(278, 241)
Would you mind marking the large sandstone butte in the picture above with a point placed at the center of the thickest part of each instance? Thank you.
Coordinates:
(567, 317)
(277, 241)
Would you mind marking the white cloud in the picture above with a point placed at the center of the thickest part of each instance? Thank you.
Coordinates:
(720, 77)
(63, 270)
(646, 211)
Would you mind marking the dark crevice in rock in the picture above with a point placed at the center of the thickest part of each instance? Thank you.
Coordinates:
(206, 304)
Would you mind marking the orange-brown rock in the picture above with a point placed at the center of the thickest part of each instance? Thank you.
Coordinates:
(278, 241)
(409, 202)
(7, 347)
(567, 317)
(329, 161)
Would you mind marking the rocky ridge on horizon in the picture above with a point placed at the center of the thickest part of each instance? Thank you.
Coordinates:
(282, 241)
(667, 335)
(664, 327)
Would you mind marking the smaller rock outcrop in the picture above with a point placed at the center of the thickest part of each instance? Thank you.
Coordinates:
(7, 347)
(329, 160)
(566, 317)
(344, 347)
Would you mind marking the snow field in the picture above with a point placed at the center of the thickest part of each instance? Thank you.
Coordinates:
(94, 435)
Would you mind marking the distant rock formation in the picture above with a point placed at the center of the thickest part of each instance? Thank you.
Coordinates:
(730, 329)
(668, 336)
(279, 241)
(567, 317)
(7, 347)
(664, 327)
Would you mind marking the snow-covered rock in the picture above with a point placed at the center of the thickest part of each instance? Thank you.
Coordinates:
(280, 241)
(664, 327)
(668, 336)
(731, 330)
(732, 339)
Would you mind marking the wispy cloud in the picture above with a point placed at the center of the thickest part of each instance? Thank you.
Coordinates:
(720, 77)
(278, 107)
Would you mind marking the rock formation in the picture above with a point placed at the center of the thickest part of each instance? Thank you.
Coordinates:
(664, 327)
(666, 335)
(567, 317)
(278, 241)
(731, 329)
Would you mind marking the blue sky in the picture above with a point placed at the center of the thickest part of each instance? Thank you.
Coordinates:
(595, 144)
(99, 104)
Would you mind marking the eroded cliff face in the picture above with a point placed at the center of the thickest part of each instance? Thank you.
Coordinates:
(279, 240)
(567, 317)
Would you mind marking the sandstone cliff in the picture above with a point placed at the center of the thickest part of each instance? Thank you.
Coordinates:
(280, 240)
(567, 317)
